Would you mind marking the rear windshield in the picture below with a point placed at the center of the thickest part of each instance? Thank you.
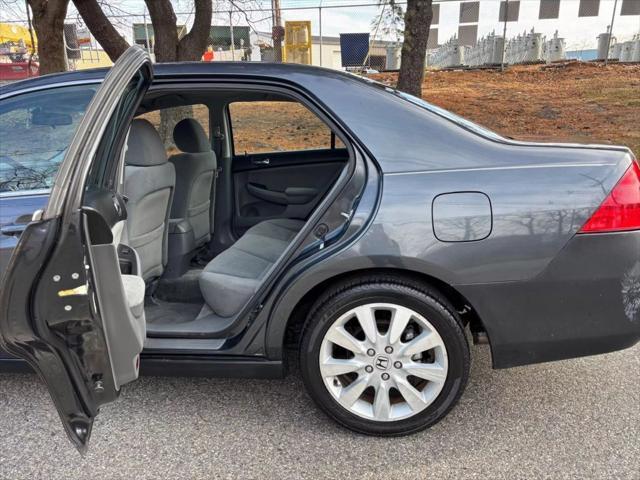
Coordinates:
(452, 117)
(463, 122)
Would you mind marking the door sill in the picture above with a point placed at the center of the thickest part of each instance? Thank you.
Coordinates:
(206, 366)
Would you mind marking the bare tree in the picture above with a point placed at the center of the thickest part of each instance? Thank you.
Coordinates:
(168, 46)
(48, 23)
(101, 28)
(417, 22)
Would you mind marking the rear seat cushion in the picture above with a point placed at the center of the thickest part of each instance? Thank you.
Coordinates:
(230, 279)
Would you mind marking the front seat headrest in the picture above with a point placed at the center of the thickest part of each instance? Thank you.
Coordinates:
(189, 136)
(144, 146)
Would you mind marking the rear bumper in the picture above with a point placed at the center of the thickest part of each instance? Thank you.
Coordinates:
(586, 302)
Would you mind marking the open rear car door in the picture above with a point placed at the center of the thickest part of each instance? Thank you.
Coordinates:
(64, 306)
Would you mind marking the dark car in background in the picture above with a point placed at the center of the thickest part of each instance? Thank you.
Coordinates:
(367, 247)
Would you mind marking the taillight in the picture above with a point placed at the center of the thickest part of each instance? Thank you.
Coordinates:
(620, 211)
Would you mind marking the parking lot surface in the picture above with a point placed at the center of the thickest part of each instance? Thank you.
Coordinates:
(572, 419)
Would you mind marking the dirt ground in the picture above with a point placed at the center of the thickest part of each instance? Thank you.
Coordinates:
(577, 102)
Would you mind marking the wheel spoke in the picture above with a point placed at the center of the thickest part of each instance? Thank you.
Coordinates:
(428, 371)
(423, 342)
(412, 396)
(337, 366)
(399, 322)
(352, 392)
(367, 321)
(382, 403)
(340, 336)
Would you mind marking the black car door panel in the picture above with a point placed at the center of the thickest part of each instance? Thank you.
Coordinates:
(64, 306)
(282, 184)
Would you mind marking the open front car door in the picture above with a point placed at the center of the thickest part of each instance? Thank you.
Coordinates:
(65, 307)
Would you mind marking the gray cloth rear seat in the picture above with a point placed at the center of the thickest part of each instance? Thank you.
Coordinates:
(231, 278)
(195, 175)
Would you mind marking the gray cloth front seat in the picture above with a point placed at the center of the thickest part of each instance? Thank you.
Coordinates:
(149, 180)
(195, 176)
(231, 278)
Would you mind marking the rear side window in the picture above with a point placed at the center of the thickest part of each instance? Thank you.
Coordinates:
(278, 126)
(35, 131)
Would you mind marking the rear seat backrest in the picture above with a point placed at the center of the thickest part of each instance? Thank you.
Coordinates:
(195, 175)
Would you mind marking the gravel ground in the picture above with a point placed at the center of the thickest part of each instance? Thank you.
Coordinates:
(572, 419)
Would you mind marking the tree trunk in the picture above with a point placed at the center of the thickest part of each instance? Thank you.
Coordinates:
(165, 31)
(417, 21)
(168, 48)
(48, 23)
(101, 28)
(193, 44)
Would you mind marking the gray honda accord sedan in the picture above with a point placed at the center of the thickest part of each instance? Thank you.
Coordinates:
(217, 218)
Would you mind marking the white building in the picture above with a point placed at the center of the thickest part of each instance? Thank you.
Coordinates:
(579, 22)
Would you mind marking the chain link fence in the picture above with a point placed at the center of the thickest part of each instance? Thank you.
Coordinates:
(368, 36)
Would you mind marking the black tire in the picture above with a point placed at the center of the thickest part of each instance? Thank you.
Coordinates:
(423, 299)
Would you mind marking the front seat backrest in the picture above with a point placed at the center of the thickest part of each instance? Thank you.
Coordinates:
(149, 180)
(195, 177)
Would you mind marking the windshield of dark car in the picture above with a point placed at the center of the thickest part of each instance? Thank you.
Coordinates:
(36, 129)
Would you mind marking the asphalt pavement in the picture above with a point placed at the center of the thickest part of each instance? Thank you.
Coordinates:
(573, 419)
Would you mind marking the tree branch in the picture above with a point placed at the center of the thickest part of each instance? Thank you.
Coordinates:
(193, 44)
(165, 32)
(101, 28)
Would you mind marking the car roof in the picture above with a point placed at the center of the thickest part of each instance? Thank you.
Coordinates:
(402, 134)
(186, 69)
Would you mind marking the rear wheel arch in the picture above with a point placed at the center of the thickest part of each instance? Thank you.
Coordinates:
(465, 313)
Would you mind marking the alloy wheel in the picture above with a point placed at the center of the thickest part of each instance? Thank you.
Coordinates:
(383, 362)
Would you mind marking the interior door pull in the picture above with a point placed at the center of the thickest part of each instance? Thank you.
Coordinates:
(262, 161)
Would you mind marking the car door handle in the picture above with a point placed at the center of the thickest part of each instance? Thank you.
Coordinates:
(17, 226)
(261, 161)
(13, 229)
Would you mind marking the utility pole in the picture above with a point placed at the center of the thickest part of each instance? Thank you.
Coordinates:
(277, 32)
(504, 35)
(613, 17)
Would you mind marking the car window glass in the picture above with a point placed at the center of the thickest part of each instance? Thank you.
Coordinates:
(468, 124)
(36, 129)
(165, 119)
(277, 126)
